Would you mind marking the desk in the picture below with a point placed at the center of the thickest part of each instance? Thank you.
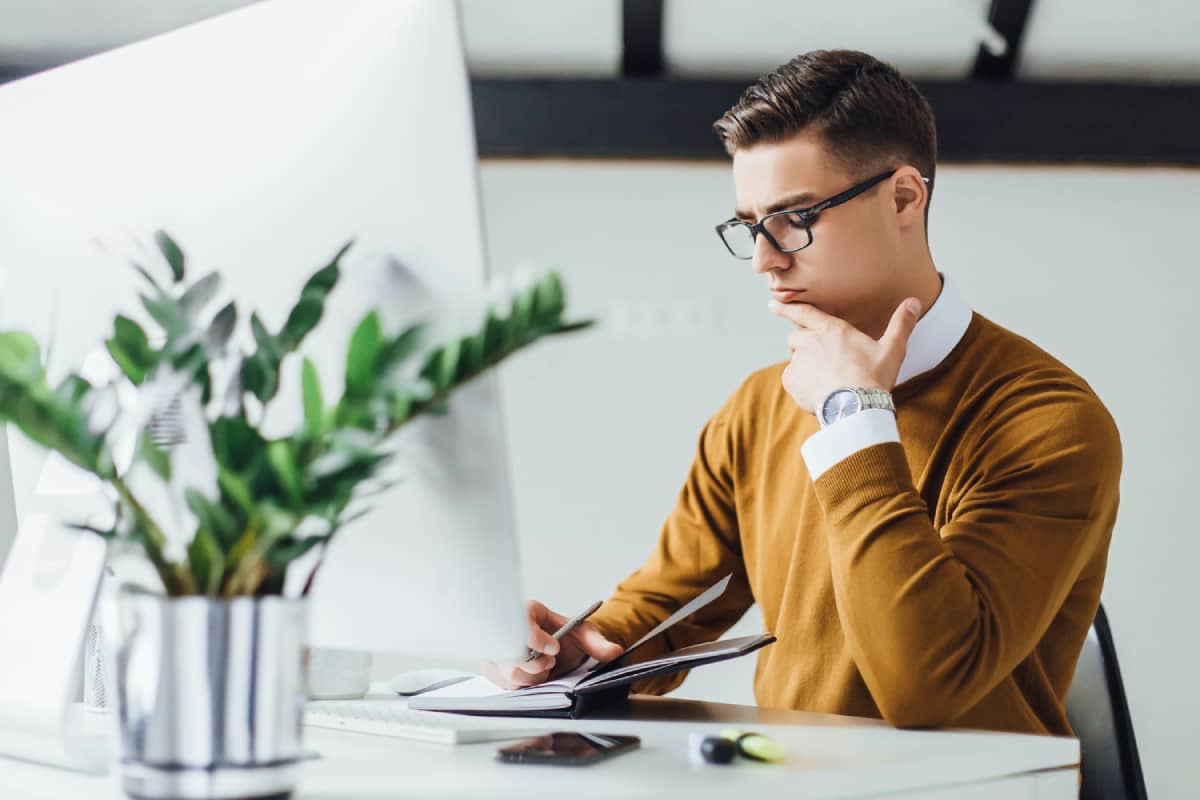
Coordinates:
(828, 756)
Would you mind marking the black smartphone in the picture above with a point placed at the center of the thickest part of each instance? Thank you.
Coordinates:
(568, 749)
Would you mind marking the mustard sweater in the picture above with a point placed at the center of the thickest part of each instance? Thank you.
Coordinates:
(948, 580)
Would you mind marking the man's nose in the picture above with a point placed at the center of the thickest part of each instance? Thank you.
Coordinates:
(766, 257)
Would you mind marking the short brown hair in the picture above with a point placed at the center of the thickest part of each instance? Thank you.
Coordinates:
(868, 115)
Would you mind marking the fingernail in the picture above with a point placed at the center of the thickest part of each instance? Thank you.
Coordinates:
(551, 649)
(913, 306)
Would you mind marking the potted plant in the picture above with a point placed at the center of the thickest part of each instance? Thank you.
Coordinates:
(208, 664)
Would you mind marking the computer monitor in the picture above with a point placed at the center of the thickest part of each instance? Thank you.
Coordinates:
(262, 140)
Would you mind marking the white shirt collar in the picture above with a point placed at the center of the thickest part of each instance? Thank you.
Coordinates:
(937, 333)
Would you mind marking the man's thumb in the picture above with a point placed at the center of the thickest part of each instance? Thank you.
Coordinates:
(596, 644)
(904, 319)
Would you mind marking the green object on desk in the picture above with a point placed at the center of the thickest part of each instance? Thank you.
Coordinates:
(754, 745)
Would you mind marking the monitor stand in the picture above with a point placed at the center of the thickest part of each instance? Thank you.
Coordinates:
(48, 588)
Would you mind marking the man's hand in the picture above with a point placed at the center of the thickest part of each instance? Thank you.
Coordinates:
(829, 353)
(557, 657)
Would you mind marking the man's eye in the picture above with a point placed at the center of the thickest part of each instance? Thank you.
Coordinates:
(800, 220)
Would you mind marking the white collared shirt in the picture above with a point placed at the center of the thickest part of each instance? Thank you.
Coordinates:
(933, 338)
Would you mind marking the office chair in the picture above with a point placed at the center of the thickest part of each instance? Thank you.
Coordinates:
(1099, 714)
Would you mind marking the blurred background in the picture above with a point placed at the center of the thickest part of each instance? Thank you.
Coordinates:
(1066, 210)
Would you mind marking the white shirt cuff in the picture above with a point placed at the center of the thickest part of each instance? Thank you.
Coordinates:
(847, 436)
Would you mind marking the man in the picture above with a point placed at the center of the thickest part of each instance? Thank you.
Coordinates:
(919, 500)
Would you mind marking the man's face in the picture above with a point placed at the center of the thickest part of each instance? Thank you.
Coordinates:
(850, 268)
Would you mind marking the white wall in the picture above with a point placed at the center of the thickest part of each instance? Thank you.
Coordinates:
(1098, 266)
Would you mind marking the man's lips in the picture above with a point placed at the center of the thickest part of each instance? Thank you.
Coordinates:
(786, 295)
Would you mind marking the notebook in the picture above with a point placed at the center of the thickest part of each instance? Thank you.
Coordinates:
(592, 686)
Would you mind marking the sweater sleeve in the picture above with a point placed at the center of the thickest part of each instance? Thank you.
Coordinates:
(935, 619)
(698, 546)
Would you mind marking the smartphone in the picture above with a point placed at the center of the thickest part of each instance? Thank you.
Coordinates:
(567, 749)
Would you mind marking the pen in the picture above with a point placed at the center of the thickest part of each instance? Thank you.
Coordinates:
(569, 626)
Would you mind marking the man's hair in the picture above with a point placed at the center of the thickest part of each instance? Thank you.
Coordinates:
(868, 115)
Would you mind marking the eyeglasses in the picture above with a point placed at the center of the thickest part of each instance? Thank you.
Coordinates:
(791, 230)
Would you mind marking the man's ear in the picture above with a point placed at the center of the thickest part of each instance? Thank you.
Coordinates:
(911, 195)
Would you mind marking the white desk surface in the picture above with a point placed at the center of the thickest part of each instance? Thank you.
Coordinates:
(828, 756)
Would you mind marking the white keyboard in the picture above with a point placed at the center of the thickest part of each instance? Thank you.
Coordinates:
(392, 717)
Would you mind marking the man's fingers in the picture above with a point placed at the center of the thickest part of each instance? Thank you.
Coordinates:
(542, 621)
(543, 663)
(510, 676)
(543, 616)
(596, 644)
(802, 314)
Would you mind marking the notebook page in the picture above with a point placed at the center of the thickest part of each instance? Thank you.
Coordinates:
(697, 603)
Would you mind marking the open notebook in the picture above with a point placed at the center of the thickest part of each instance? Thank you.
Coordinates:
(592, 686)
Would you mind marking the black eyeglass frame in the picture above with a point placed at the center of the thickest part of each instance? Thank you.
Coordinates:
(806, 215)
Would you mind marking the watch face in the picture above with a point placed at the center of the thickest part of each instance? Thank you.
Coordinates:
(841, 403)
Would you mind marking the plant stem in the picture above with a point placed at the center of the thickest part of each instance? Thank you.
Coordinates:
(153, 538)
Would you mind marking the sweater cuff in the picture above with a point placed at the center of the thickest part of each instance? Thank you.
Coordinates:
(876, 473)
(844, 438)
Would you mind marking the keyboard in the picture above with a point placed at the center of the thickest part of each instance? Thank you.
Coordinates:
(393, 717)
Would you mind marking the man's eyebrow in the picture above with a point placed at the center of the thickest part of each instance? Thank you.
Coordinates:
(800, 200)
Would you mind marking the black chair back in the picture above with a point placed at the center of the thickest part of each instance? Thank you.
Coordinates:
(1099, 714)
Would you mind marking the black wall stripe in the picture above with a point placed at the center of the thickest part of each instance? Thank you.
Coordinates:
(1009, 18)
(641, 38)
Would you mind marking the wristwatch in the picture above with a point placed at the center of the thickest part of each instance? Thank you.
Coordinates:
(841, 403)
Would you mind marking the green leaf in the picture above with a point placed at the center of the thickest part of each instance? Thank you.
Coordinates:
(52, 423)
(20, 356)
(72, 390)
(303, 318)
(212, 516)
(167, 313)
(396, 351)
(283, 464)
(133, 339)
(207, 562)
(244, 544)
(260, 373)
(263, 337)
(289, 548)
(471, 359)
(365, 345)
(171, 253)
(192, 361)
(521, 319)
(441, 364)
(314, 405)
(547, 300)
(402, 406)
(236, 489)
(199, 294)
(146, 274)
(155, 457)
(259, 376)
(234, 443)
(220, 330)
(326, 278)
(277, 522)
(493, 335)
(448, 364)
(128, 366)
(572, 327)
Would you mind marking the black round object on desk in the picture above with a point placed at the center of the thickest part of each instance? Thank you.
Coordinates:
(717, 750)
